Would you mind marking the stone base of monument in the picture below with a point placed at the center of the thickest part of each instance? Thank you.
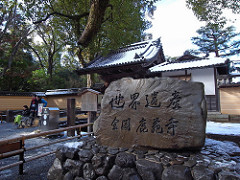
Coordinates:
(87, 160)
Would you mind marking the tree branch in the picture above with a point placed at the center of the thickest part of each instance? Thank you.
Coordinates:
(73, 17)
(11, 16)
(16, 46)
(38, 56)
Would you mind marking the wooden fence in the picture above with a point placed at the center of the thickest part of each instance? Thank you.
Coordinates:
(15, 146)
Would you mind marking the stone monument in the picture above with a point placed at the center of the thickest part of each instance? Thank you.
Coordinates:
(162, 113)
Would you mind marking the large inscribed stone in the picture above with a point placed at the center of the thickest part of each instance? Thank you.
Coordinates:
(160, 113)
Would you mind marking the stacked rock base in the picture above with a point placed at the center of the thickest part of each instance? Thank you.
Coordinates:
(85, 160)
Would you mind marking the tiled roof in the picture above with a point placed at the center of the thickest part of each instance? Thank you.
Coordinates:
(73, 91)
(183, 65)
(141, 52)
(6, 93)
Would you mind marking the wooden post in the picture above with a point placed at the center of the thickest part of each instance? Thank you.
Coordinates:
(71, 115)
(21, 158)
(91, 118)
(10, 116)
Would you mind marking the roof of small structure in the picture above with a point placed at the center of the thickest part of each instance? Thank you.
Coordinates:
(194, 64)
(138, 53)
(72, 91)
(8, 93)
(88, 90)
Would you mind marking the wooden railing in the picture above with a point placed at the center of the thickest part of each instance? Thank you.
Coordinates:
(15, 146)
(226, 80)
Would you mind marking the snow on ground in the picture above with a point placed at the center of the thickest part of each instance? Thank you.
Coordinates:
(73, 145)
(223, 128)
(222, 147)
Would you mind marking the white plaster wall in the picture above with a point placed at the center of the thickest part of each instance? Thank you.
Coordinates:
(206, 76)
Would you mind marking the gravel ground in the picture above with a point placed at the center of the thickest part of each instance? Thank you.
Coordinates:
(33, 170)
(37, 169)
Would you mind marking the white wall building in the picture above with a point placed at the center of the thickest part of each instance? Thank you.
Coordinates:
(199, 70)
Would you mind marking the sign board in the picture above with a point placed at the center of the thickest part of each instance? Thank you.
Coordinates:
(156, 112)
(89, 101)
(40, 107)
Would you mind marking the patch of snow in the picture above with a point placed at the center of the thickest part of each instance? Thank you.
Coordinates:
(207, 160)
(21, 134)
(236, 79)
(82, 133)
(225, 164)
(73, 144)
(222, 147)
(223, 128)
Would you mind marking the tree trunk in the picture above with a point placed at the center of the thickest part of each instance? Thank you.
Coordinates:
(89, 80)
(80, 57)
(50, 64)
(216, 46)
(95, 20)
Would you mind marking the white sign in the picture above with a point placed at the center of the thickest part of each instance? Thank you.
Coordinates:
(40, 107)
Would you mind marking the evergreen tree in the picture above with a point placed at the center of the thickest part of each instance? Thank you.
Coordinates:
(213, 10)
(221, 41)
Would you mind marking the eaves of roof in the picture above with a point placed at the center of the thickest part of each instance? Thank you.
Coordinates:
(7, 93)
(63, 92)
(102, 68)
(187, 65)
(89, 90)
(138, 53)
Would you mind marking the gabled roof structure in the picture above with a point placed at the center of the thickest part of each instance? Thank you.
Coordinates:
(194, 64)
(133, 60)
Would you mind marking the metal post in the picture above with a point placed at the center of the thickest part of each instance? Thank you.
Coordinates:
(71, 115)
(21, 157)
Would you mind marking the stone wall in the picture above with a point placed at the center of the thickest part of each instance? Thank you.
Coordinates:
(86, 159)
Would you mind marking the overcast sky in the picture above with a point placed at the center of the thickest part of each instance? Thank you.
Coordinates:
(176, 24)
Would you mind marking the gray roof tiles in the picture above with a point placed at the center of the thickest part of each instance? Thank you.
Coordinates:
(142, 52)
(195, 64)
(74, 91)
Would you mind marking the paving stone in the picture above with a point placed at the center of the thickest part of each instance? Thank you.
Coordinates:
(149, 170)
(124, 159)
(177, 172)
(202, 173)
